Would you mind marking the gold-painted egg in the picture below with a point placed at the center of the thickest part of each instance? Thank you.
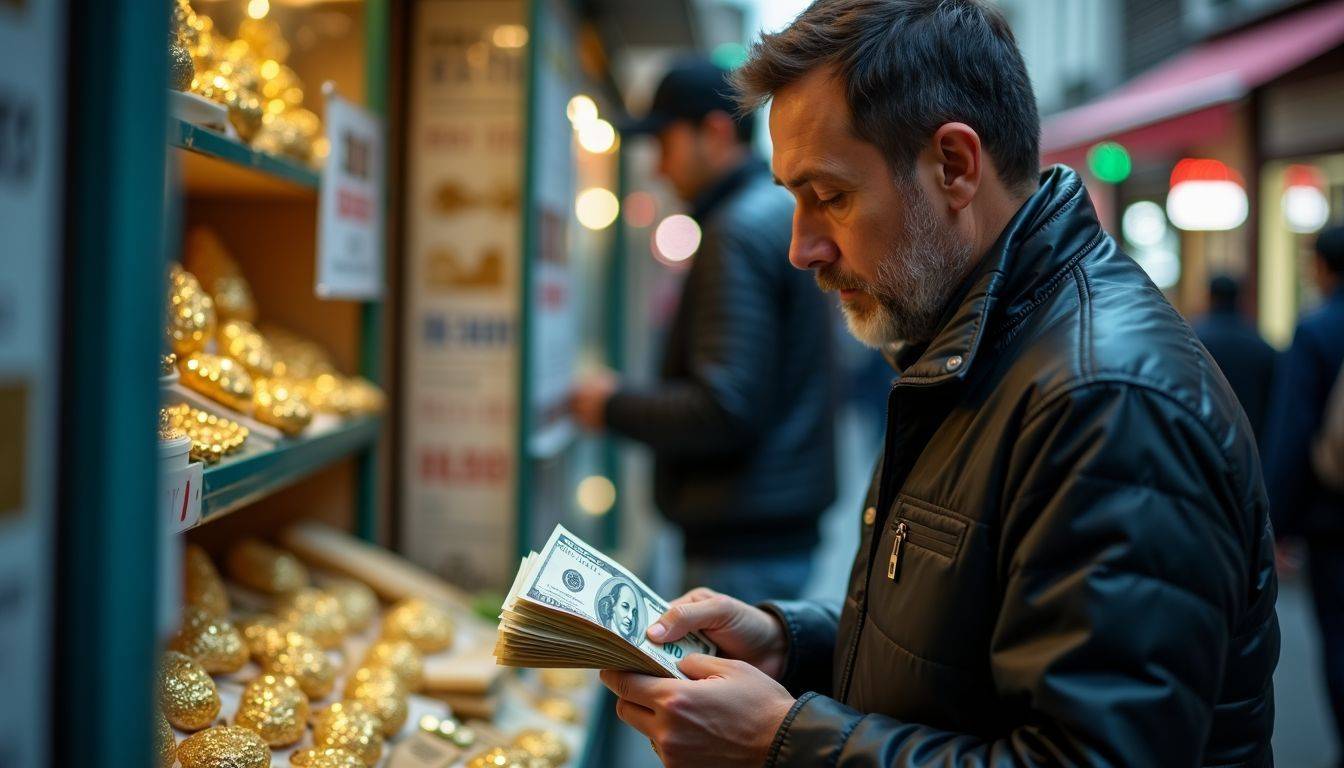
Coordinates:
(315, 613)
(191, 312)
(328, 757)
(187, 694)
(211, 640)
(544, 744)
(165, 744)
(300, 657)
(427, 626)
(221, 379)
(278, 403)
(202, 586)
(257, 632)
(224, 746)
(400, 656)
(500, 757)
(559, 708)
(276, 708)
(350, 725)
(358, 602)
(382, 691)
(257, 565)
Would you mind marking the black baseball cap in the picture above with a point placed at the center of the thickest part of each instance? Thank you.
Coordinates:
(691, 89)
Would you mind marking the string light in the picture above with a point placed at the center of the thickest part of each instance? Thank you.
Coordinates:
(597, 136)
(596, 208)
(677, 238)
(581, 110)
(258, 9)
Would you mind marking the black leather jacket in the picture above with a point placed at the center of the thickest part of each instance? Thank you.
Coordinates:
(741, 422)
(1070, 560)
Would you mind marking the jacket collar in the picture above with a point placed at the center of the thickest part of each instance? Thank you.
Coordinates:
(1054, 228)
(709, 200)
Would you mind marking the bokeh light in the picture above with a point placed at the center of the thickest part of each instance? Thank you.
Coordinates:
(640, 208)
(258, 9)
(677, 238)
(581, 110)
(1144, 224)
(596, 208)
(509, 36)
(596, 495)
(597, 136)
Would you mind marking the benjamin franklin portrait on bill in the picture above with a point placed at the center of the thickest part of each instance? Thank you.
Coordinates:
(618, 608)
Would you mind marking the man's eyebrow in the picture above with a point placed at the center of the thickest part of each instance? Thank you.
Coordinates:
(808, 176)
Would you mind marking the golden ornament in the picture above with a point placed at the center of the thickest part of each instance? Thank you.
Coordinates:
(241, 341)
(559, 708)
(167, 364)
(300, 657)
(544, 744)
(358, 602)
(221, 379)
(427, 626)
(329, 757)
(561, 680)
(168, 429)
(209, 259)
(383, 692)
(350, 725)
(165, 744)
(400, 656)
(202, 586)
(224, 746)
(256, 631)
(500, 757)
(314, 613)
(187, 694)
(276, 708)
(212, 437)
(278, 403)
(191, 312)
(257, 565)
(211, 640)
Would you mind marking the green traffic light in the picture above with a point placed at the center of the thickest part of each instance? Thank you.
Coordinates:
(1109, 162)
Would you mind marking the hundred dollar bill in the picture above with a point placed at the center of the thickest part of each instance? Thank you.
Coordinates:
(570, 605)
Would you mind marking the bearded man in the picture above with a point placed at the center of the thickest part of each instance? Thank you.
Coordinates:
(1065, 555)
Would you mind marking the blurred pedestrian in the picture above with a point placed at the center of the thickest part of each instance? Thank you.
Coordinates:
(1246, 359)
(1065, 555)
(1303, 504)
(740, 422)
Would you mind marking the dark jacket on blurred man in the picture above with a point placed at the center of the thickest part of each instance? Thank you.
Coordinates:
(1246, 359)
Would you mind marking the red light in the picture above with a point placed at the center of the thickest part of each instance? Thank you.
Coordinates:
(1204, 169)
(1304, 176)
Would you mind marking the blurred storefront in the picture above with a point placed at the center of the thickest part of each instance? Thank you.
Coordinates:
(1223, 159)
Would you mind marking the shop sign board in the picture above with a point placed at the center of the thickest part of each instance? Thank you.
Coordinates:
(32, 94)
(350, 203)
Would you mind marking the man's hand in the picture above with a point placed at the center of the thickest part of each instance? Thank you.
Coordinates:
(739, 630)
(588, 400)
(726, 715)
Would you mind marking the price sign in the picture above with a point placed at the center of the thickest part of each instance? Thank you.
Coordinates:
(180, 497)
(350, 205)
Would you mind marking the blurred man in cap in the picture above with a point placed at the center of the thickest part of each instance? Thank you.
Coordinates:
(740, 422)
(1245, 358)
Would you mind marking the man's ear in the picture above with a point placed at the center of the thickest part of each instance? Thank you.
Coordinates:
(960, 163)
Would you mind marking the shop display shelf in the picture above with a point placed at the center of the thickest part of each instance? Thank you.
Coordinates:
(251, 475)
(216, 164)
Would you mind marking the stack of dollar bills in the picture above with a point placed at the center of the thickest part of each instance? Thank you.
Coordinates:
(572, 606)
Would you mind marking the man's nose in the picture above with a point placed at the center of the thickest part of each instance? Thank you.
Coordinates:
(810, 249)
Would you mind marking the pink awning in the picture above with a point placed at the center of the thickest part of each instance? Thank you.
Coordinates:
(1199, 82)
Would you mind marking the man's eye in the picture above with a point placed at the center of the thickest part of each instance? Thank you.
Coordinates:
(828, 202)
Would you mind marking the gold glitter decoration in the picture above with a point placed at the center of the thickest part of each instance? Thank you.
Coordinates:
(212, 437)
(358, 602)
(243, 342)
(559, 708)
(561, 680)
(224, 746)
(427, 626)
(187, 694)
(329, 757)
(257, 632)
(544, 744)
(400, 656)
(382, 690)
(219, 378)
(168, 430)
(501, 757)
(209, 259)
(165, 744)
(211, 640)
(180, 66)
(257, 565)
(276, 708)
(191, 312)
(201, 585)
(278, 403)
(350, 725)
(167, 364)
(300, 657)
(315, 613)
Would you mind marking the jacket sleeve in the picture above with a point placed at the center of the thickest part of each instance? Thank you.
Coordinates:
(810, 628)
(1121, 564)
(734, 337)
(1296, 412)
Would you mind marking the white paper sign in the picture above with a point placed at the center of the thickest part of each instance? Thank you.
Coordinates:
(180, 497)
(350, 205)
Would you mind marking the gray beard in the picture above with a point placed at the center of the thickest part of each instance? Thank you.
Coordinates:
(915, 281)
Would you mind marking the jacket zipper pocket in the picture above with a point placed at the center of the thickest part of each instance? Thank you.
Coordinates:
(894, 561)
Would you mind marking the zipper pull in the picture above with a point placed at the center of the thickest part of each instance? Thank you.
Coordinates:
(895, 560)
